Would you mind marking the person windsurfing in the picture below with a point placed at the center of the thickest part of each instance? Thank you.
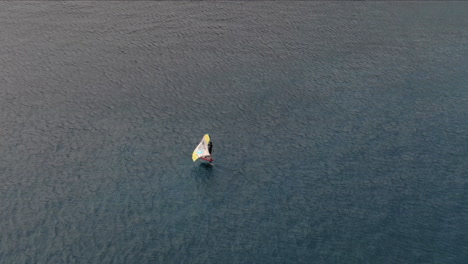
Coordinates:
(203, 150)
(210, 150)
(210, 147)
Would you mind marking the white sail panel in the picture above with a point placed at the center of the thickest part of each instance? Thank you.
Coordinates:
(201, 151)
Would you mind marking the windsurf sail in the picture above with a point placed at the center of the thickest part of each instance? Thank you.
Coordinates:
(202, 151)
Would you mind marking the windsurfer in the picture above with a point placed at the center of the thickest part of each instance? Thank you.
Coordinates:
(203, 150)
(210, 150)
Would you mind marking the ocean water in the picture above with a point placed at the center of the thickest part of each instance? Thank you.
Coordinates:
(340, 132)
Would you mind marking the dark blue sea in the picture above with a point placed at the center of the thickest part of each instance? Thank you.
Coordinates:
(340, 132)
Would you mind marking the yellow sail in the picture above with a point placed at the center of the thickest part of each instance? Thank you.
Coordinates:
(201, 151)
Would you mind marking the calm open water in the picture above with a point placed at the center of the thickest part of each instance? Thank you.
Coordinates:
(340, 132)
